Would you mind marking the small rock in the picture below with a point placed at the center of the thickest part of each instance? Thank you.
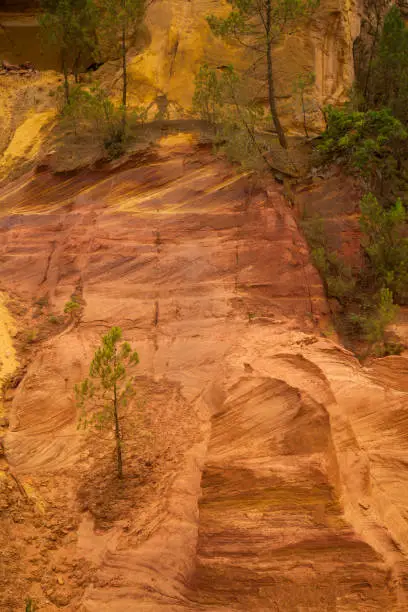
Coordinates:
(60, 580)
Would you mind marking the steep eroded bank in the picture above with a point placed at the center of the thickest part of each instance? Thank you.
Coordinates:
(266, 469)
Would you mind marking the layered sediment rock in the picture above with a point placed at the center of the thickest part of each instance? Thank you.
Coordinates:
(266, 468)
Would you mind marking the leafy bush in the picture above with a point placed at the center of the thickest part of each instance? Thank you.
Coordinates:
(384, 313)
(221, 98)
(388, 82)
(389, 348)
(375, 314)
(71, 306)
(367, 298)
(92, 111)
(209, 94)
(385, 245)
(337, 276)
(372, 142)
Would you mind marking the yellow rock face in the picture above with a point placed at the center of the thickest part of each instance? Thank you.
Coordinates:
(181, 40)
(26, 140)
(27, 108)
(162, 76)
(8, 361)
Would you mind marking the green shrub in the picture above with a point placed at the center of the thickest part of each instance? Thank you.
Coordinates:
(385, 245)
(372, 142)
(367, 297)
(374, 316)
(388, 78)
(336, 274)
(222, 99)
(72, 306)
(91, 110)
(209, 95)
(384, 313)
(30, 605)
(389, 348)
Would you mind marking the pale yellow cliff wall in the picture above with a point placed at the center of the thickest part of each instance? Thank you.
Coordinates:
(181, 41)
(162, 76)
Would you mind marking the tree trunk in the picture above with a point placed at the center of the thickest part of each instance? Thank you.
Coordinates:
(124, 67)
(75, 67)
(65, 73)
(304, 114)
(370, 61)
(118, 436)
(271, 84)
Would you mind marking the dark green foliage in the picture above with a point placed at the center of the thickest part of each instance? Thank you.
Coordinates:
(71, 306)
(368, 298)
(118, 19)
(388, 84)
(389, 348)
(374, 143)
(107, 29)
(337, 276)
(108, 388)
(42, 302)
(373, 316)
(386, 246)
(373, 140)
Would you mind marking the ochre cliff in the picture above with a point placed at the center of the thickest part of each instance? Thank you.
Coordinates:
(178, 40)
(266, 469)
(181, 40)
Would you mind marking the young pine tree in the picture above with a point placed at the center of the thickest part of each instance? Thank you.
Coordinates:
(258, 25)
(300, 86)
(70, 25)
(119, 24)
(108, 388)
(209, 95)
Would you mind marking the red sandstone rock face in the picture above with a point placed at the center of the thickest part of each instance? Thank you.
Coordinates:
(266, 469)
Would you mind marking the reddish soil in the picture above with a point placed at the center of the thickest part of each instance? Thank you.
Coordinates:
(266, 469)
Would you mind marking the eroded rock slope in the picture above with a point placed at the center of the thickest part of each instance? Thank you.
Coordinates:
(266, 469)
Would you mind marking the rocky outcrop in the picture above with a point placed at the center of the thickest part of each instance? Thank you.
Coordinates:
(265, 467)
(181, 41)
(178, 40)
